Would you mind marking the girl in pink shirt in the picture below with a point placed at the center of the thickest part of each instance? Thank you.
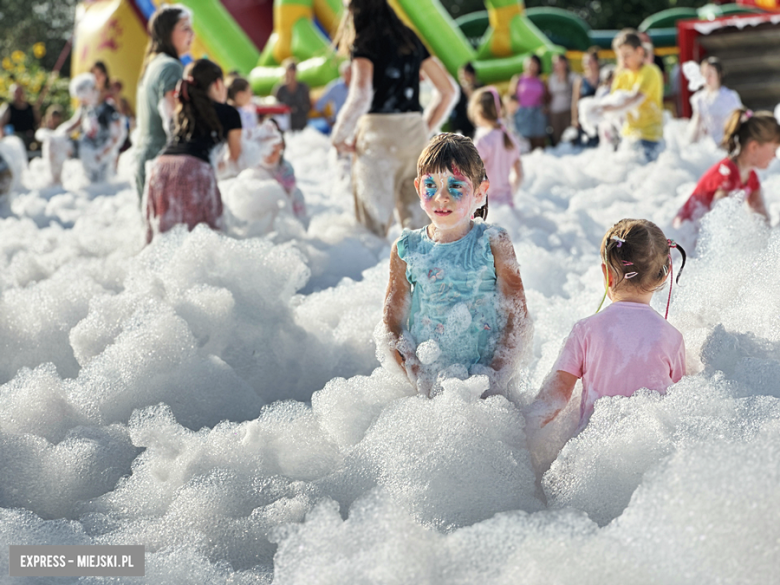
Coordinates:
(497, 148)
(627, 346)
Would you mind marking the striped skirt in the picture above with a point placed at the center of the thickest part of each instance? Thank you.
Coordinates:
(181, 189)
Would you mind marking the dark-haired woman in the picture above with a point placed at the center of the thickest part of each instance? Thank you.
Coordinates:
(170, 37)
(531, 94)
(182, 185)
(382, 121)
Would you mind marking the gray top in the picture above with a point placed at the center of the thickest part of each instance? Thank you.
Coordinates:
(160, 77)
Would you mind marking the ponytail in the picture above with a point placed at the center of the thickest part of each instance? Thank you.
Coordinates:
(486, 102)
(745, 125)
(482, 211)
(195, 114)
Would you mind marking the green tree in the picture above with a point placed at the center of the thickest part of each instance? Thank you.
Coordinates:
(23, 23)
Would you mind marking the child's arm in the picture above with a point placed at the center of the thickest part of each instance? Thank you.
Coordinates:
(396, 313)
(517, 167)
(234, 144)
(445, 96)
(553, 397)
(511, 296)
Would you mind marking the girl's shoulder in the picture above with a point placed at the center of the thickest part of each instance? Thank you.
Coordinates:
(492, 230)
(408, 241)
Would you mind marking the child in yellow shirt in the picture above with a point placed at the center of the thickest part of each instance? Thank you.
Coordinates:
(643, 86)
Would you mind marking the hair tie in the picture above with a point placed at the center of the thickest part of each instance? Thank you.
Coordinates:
(182, 93)
(620, 241)
(630, 274)
(673, 244)
(748, 114)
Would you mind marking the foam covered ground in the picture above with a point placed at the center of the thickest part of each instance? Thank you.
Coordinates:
(218, 398)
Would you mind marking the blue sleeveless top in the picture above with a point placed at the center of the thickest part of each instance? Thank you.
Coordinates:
(454, 296)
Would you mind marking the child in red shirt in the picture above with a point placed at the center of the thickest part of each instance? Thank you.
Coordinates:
(752, 140)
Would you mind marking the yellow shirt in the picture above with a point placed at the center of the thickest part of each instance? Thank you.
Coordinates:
(646, 121)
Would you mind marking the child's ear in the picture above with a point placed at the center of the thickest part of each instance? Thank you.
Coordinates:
(417, 184)
(607, 274)
(482, 190)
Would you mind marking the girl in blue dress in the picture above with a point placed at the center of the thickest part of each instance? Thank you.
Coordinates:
(455, 304)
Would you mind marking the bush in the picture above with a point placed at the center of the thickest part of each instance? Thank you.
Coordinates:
(25, 69)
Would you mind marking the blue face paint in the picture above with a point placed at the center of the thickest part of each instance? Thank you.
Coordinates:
(429, 187)
(456, 188)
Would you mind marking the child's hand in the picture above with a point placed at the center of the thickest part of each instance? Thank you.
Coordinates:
(344, 146)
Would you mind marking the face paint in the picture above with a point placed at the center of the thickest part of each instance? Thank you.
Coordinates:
(429, 187)
(448, 200)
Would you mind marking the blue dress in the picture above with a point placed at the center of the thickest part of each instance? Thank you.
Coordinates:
(454, 295)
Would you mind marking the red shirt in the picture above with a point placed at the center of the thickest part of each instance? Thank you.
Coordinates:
(722, 176)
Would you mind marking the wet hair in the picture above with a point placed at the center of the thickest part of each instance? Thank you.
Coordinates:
(744, 125)
(538, 61)
(195, 114)
(628, 37)
(367, 21)
(236, 85)
(104, 70)
(451, 152)
(160, 28)
(469, 68)
(486, 102)
(637, 254)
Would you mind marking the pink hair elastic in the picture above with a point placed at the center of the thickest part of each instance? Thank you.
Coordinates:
(673, 244)
(497, 99)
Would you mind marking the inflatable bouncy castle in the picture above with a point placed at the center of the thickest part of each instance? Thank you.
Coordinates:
(233, 32)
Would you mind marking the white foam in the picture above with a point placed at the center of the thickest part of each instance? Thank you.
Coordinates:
(219, 400)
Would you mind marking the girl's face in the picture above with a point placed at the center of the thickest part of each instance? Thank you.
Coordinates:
(100, 78)
(449, 198)
(559, 65)
(243, 98)
(590, 65)
(761, 155)
(711, 79)
(181, 36)
(530, 67)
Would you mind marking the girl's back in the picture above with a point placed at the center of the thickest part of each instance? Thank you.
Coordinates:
(616, 352)
(498, 160)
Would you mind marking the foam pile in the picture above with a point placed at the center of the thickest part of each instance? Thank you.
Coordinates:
(219, 399)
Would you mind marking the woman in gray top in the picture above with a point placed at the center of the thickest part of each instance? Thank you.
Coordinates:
(170, 36)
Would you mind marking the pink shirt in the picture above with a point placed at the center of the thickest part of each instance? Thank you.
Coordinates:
(625, 347)
(530, 91)
(498, 161)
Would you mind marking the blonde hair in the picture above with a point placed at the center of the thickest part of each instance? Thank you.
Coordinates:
(636, 252)
(745, 125)
(485, 102)
(453, 152)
